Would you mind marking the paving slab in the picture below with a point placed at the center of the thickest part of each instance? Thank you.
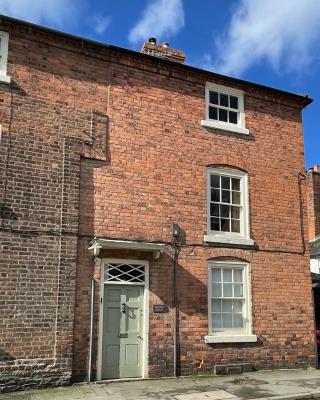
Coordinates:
(271, 385)
(213, 395)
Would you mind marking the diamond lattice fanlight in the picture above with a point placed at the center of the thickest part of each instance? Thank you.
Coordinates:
(121, 272)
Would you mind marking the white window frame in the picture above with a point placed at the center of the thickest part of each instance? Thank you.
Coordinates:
(4, 44)
(226, 126)
(232, 335)
(315, 265)
(230, 237)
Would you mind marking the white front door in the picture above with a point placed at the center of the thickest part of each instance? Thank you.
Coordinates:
(122, 328)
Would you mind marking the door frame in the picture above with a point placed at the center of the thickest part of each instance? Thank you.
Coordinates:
(145, 349)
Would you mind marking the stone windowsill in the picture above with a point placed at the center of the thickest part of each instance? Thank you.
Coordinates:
(225, 127)
(5, 78)
(230, 338)
(228, 240)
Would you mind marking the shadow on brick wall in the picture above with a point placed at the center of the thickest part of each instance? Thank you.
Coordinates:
(5, 356)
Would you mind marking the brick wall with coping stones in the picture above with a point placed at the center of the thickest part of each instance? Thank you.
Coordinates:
(143, 166)
(313, 202)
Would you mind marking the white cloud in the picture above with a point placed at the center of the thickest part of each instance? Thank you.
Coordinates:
(161, 19)
(283, 33)
(101, 24)
(54, 12)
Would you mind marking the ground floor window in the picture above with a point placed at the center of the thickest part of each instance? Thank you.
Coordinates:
(229, 298)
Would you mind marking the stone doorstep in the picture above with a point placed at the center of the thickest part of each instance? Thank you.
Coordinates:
(106, 381)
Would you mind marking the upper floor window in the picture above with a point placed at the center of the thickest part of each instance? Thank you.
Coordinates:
(224, 109)
(4, 42)
(227, 206)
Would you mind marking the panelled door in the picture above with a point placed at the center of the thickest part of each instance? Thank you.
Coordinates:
(123, 308)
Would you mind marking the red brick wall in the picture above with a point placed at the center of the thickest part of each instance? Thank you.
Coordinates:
(119, 139)
(43, 137)
(313, 202)
(156, 175)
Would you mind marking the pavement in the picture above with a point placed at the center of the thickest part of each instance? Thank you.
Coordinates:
(275, 385)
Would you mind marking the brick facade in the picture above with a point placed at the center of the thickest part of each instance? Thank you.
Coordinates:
(99, 142)
(313, 201)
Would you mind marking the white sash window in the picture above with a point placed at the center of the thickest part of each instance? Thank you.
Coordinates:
(4, 42)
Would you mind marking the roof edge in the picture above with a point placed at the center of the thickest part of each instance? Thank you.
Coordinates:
(304, 99)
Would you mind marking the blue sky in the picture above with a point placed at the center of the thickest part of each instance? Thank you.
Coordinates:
(271, 42)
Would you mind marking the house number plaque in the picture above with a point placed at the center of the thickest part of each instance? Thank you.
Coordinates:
(160, 308)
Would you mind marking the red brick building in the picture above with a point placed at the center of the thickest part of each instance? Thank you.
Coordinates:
(103, 150)
(313, 203)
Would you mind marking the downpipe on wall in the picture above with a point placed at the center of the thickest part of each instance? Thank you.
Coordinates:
(89, 375)
(176, 233)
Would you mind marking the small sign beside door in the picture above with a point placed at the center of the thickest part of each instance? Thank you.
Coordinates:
(160, 308)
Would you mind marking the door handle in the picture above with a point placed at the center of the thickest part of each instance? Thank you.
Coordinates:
(139, 337)
(123, 308)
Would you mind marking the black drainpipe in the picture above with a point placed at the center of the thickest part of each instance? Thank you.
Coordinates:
(176, 232)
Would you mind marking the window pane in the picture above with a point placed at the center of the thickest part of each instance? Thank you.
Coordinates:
(227, 320)
(213, 113)
(227, 306)
(225, 196)
(215, 181)
(216, 305)
(235, 212)
(216, 274)
(237, 321)
(224, 100)
(237, 275)
(215, 195)
(216, 321)
(233, 117)
(215, 224)
(235, 226)
(238, 292)
(237, 306)
(214, 210)
(216, 290)
(213, 97)
(225, 182)
(225, 225)
(234, 102)
(227, 312)
(223, 115)
(235, 197)
(235, 184)
(225, 211)
(227, 275)
(227, 290)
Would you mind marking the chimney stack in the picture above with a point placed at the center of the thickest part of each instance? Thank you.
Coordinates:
(315, 168)
(163, 51)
